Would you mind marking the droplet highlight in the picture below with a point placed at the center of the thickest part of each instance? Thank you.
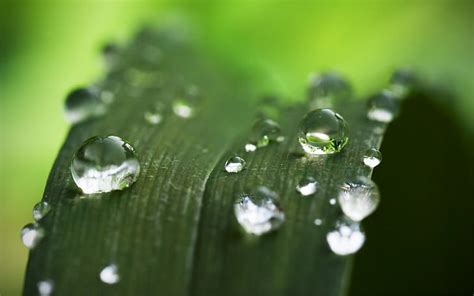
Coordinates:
(31, 235)
(372, 158)
(45, 288)
(82, 104)
(259, 213)
(359, 198)
(323, 131)
(104, 164)
(110, 274)
(345, 237)
(40, 210)
(307, 186)
(235, 164)
(383, 107)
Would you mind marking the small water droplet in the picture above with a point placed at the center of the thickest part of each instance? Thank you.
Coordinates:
(307, 186)
(401, 83)
(264, 131)
(372, 158)
(332, 201)
(326, 88)
(183, 108)
(359, 198)
(153, 117)
(323, 131)
(45, 288)
(82, 104)
(259, 213)
(345, 237)
(31, 235)
(318, 222)
(269, 107)
(40, 210)
(235, 164)
(103, 164)
(250, 147)
(110, 274)
(383, 107)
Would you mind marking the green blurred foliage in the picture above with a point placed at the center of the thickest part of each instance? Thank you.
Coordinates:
(48, 47)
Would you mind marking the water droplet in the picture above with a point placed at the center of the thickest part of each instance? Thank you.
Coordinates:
(31, 235)
(235, 164)
(40, 210)
(318, 222)
(259, 213)
(359, 198)
(372, 158)
(323, 131)
(250, 147)
(332, 201)
(183, 108)
(307, 186)
(103, 164)
(345, 237)
(401, 83)
(153, 117)
(82, 104)
(383, 107)
(264, 131)
(45, 288)
(110, 274)
(326, 88)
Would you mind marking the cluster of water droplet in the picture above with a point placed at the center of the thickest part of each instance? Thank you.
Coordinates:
(32, 233)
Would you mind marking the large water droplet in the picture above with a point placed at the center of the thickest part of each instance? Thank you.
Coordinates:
(45, 288)
(235, 164)
(110, 274)
(323, 131)
(372, 158)
(359, 198)
(326, 88)
(307, 186)
(103, 164)
(82, 104)
(383, 107)
(259, 213)
(401, 83)
(264, 131)
(40, 210)
(345, 237)
(31, 235)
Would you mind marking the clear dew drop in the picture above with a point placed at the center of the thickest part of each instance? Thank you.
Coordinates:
(383, 107)
(345, 237)
(110, 274)
(359, 198)
(401, 83)
(332, 201)
(322, 131)
(40, 210)
(258, 212)
(307, 186)
(318, 222)
(264, 131)
(235, 164)
(326, 88)
(45, 287)
(31, 235)
(183, 108)
(104, 164)
(153, 117)
(372, 158)
(82, 104)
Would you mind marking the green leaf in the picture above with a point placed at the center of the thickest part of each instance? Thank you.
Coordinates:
(174, 232)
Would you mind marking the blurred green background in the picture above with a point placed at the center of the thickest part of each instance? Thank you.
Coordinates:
(48, 47)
